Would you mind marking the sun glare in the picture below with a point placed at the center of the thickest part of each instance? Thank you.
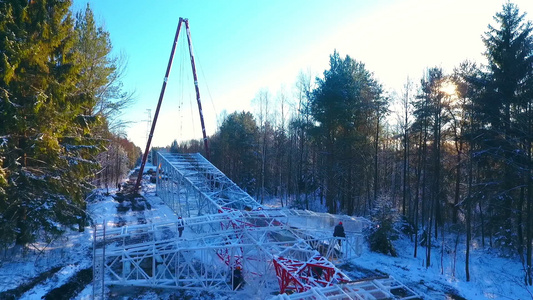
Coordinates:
(448, 87)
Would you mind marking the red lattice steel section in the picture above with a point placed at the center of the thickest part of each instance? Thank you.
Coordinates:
(232, 257)
(297, 276)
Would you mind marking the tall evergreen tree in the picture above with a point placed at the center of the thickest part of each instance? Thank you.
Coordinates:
(99, 84)
(236, 148)
(505, 93)
(37, 82)
(100, 72)
(344, 105)
(47, 119)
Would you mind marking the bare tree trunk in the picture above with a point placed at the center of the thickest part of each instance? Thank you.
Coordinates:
(331, 184)
(405, 170)
(416, 223)
(349, 204)
(419, 188)
(520, 233)
(263, 162)
(436, 199)
(424, 208)
(107, 172)
(482, 220)
(468, 235)
(469, 204)
(529, 275)
(457, 184)
(376, 148)
(455, 254)
(529, 233)
(405, 188)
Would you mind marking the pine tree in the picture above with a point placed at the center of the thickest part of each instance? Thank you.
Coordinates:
(37, 76)
(48, 119)
(236, 150)
(346, 104)
(100, 72)
(504, 140)
(99, 84)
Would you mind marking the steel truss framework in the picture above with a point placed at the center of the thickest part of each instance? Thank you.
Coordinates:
(381, 288)
(224, 229)
(192, 186)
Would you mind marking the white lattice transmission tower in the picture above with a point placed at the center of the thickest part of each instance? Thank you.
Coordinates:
(226, 230)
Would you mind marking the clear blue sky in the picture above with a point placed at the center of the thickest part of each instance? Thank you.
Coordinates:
(244, 46)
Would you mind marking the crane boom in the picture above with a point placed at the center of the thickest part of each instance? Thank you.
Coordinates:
(197, 89)
(161, 95)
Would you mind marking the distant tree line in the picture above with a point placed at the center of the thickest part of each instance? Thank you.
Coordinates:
(455, 155)
(60, 93)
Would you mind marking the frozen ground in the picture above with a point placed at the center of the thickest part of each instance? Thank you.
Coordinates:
(56, 264)
(491, 277)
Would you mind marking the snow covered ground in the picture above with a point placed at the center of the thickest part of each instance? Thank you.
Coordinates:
(492, 277)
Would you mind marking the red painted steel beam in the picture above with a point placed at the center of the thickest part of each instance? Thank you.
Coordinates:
(167, 73)
(197, 89)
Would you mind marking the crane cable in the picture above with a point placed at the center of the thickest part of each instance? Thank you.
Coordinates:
(207, 87)
(181, 90)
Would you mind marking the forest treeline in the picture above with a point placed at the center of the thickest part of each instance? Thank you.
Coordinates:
(60, 95)
(449, 153)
